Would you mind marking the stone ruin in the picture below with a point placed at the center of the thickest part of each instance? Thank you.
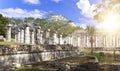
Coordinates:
(32, 35)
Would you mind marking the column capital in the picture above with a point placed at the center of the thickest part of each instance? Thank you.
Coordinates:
(55, 31)
(41, 31)
(18, 30)
(32, 30)
(22, 28)
(37, 27)
(26, 25)
(9, 25)
(48, 30)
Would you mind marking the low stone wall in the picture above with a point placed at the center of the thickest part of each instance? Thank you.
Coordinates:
(31, 54)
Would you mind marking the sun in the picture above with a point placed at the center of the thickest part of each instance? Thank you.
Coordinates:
(111, 23)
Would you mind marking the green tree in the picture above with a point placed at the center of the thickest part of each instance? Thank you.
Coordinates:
(3, 22)
(2, 29)
(29, 20)
(61, 24)
(42, 22)
(91, 32)
(15, 21)
(106, 8)
(57, 23)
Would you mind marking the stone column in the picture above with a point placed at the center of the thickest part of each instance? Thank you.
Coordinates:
(104, 40)
(107, 40)
(18, 37)
(27, 34)
(96, 41)
(110, 40)
(48, 33)
(84, 38)
(81, 41)
(78, 41)
(114, 41)
(87, 41)
(94, 37)
(47, 36)
(60, 40)
(117, 41)
(41, 37)
(38, 34)
(81, 36)
(71, 39)
(55, 38)
(8, 34)
(32, 37)
(22, 35)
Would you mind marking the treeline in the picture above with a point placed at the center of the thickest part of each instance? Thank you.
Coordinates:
(3, 21)
(56, 23)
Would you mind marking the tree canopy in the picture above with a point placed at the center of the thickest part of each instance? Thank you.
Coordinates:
(106, 9)
(57, 23)
(3, 21)
(54, 22)
(91, 32)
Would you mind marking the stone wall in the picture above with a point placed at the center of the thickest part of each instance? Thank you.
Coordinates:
(29, 54)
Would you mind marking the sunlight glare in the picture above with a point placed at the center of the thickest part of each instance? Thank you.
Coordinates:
(111, 23)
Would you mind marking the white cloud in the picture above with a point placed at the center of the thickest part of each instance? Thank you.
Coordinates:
(32, 1)
(86, 22)
(86, 8)
(21, 13)
(83, 26)
(57, 1)
(72, 23)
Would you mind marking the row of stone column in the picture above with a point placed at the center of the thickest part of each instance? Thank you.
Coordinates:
(34, 36)
(99, 40)
(57, 40)
(27, 36)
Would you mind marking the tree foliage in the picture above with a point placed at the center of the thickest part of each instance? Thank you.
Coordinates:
(3, 22)
(106, 8)
(91, 31)
(59, 24)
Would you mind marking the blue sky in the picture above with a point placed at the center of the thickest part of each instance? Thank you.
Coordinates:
(80, 11)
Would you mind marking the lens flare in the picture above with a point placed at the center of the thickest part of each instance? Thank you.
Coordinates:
(111, 23)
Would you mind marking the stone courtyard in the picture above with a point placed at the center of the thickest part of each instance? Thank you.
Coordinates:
(34, 48)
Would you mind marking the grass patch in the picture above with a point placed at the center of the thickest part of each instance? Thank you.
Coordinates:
(39, 63)
(76, 60)
(10, 43)
(106, 57)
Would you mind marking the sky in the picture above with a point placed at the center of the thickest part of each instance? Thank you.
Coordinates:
(79, 11)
